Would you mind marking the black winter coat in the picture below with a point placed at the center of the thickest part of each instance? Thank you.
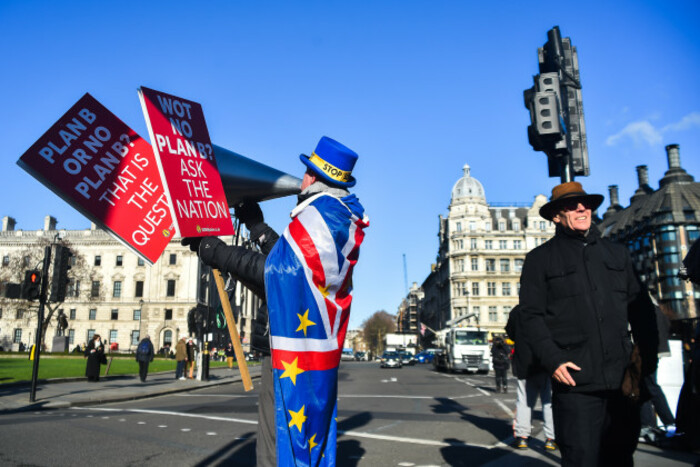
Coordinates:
(247, 266)
(577, 296)
(524, 362)
(500, 355)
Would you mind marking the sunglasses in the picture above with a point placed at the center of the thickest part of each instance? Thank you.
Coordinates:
(572, 204)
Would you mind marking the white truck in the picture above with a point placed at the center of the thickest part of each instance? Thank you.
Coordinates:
(463, 349)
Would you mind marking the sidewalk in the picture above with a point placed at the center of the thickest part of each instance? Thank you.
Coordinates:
(72, 392)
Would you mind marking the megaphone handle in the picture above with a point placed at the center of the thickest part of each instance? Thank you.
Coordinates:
(233, 331)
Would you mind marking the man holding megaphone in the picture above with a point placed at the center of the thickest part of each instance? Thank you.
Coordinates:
(305, 280)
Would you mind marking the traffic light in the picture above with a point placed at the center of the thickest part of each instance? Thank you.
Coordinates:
(59, 280)
(31, 286)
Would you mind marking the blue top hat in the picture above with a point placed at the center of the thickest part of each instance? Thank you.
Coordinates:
(332, 161)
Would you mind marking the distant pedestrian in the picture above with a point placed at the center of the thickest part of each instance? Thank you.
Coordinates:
(500, 355)
(230, 355)
(191, 357)
(180, 358)
(144, 355)
(533, 382)
(95, 354)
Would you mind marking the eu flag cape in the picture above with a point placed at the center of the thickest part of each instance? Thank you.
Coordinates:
(308, 282)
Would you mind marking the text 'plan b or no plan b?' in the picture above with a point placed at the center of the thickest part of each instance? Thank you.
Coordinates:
(104, 169)
(187, 164)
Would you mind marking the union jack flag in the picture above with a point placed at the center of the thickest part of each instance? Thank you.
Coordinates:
(308, 281)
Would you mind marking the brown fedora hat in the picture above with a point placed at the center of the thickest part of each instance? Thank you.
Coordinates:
(567, 191)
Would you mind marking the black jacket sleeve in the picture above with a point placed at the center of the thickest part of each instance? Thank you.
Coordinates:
(242, 263)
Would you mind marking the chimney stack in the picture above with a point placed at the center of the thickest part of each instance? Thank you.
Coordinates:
(614, 201)
(674, 156)
(643, 175)
(49, 223)
(8, 224)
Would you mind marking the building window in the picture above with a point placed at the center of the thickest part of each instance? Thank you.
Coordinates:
(490, 265)
(491, 289)
(168, 338)
(5, 260)
(93, 314)
(543, 225)
(502, 226)
(0, 312)
(472, 226)
(506, 313)
(140, 262)
(112, 336)
(493, 314)
(135, 337)
(72, 313)
(477, 310)
(488, 244)
(73, 289)
(98, 260)
(95, 289)
(90, 334)
(505, 288)
(173, 259)
(459, 244)
(516, 225)
(503, 244)
(475, 289)
(71, 336)
(487, 225)
(464, 289)
(168, 313)
(517, 286)
(26, 261)
(475, 263)
(137, 315)
(115, 315)
(17, 336)
(505, 265)
(517, 244)
(170, 292)
(472, 243)
(458, 226)
(518, 264)
(120, 260)
(19, 313)
(117, 289)
(138, 289)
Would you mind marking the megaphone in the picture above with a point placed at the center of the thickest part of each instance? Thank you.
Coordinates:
(247, 180)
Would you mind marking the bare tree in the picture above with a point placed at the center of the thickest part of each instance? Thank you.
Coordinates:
(31, 257)
(375, 328)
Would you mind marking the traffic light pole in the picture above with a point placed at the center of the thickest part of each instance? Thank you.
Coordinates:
(40, 319)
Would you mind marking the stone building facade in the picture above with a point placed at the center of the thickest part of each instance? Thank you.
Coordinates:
(658, 228)
(481, 251)
(112, 292)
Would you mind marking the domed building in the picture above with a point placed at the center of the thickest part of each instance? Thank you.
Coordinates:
(481, 251)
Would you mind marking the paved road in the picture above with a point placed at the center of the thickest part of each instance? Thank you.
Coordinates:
(405, 417)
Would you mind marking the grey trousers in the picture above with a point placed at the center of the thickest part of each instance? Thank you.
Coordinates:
(528, 391)
(266, 449)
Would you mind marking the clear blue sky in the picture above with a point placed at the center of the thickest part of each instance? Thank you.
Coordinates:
(418, 89)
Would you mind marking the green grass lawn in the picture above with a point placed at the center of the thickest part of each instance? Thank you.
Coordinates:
(20, 369)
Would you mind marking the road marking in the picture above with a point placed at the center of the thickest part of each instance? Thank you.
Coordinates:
(227, 396)
(185, 429)
(505, 408)
(357, 434)
(165, 412)
(211, 433)
(162, 426)
(379, 396)
(142, 423)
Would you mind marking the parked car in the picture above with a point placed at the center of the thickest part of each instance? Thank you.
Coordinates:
(361, 356)
(407, 358)
(424, 357)
(347, 355)
(390, 360)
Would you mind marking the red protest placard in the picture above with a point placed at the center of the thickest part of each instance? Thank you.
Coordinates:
(105, 170)
(187, 164)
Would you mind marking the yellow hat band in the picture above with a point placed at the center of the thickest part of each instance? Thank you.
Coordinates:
(329, 169)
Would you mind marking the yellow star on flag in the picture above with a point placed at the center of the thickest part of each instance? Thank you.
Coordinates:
(298, 418)
(312, 443)
(304, 322)
(323, 290)
(291, 370)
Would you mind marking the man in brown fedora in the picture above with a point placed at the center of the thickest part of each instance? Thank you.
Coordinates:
(578, 293)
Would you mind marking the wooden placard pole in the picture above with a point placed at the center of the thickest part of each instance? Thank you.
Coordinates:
(235, 339)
